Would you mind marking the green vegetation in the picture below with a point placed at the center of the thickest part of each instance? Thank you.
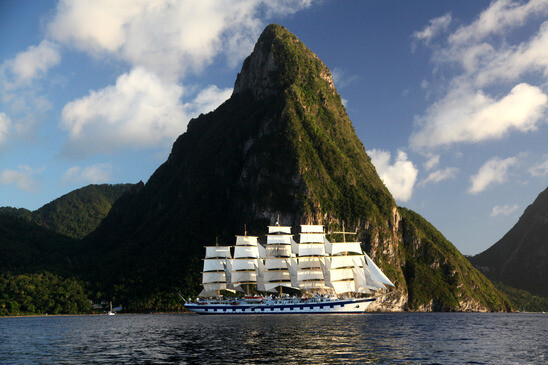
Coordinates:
(42, 293)
(75, 214)
(523, 300)
(32, 243)
(28, 248)
(436, 271)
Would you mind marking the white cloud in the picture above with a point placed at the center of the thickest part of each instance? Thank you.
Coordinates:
(500, 17)
(166, 37)
(510, 62)
(21, 86)
(440, 175)
(22, 178)
(341, 78)
(207, 100)
(35, 61)
(433, 161)
(5, 123)
(503, 210)
(436, 26)
(139, 111)
(94, 174)
(485, 56)
(494, 171)
(400, 177)
(468, 116)
(540, 169)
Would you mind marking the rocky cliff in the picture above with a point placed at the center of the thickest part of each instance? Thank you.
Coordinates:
(284, 146)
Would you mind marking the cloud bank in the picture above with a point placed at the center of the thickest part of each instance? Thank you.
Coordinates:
(94, 174)
(22, 178)
(166, 37)
(399, 177)
(494, 171)
(486, 60)
(504, 210)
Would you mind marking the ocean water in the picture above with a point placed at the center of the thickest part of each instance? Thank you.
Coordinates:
(409, 338)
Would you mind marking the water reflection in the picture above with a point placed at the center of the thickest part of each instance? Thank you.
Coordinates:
(310, 339)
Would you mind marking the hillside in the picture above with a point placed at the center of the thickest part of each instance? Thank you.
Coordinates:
(28, 248)
(520, 258)
(282, 145)
(74, 214)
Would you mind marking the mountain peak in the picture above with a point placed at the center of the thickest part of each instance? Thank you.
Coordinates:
(279, 60)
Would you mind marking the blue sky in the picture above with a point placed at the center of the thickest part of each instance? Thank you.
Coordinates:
(450, 98)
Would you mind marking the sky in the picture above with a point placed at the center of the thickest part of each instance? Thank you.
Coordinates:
(450, 98)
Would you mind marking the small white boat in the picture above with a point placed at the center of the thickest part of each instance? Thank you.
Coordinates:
(111, 312)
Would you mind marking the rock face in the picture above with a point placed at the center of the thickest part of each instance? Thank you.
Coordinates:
(284, 146)
(520, 258)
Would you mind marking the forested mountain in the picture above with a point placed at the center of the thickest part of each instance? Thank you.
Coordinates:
(74, 214)
(282, 145)
(520, 258)
(37, 251)
(26, 247)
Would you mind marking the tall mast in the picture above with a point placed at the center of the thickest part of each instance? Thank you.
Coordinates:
(245, 262)
(277, 257)
(310, 254)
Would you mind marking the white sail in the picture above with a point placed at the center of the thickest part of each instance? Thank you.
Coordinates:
(244, 277)
(312, 238)
(279, 229)
(311, 228)
(262, 251)
(293, 273)
(363, 278)
(246, 252)
(309, 274)
(347, 286)
(278, 251)
(214, 277)
(310, 249)
(341, 280)
(228, 272)
(217, 252)
(207, 294)
(306, 262)
(246, 240)
(271, 287)
(276, 276)
(278, 239)
(214, 264)
(344, 247)
(376, 273)
(275, 263)
(338, 262)
(361, 282)
(259, 268)
(342, 274)
(213, 288)
(243, 264)
(309, 285)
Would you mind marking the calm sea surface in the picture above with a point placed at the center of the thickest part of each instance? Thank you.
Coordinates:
(308, 339)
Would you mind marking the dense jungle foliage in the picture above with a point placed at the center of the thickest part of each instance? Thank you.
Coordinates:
(41, 293)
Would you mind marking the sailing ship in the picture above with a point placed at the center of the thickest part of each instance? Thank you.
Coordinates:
(333, 276)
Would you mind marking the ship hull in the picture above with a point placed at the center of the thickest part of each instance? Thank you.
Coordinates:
(280, 307)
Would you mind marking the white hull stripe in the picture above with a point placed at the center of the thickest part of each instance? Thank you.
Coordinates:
(347, 306)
